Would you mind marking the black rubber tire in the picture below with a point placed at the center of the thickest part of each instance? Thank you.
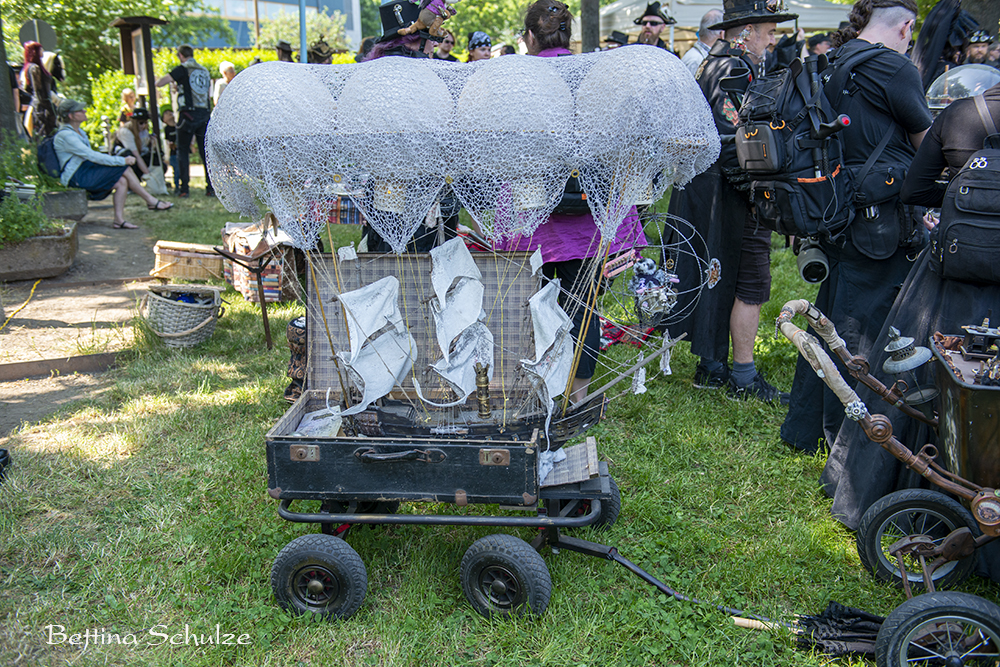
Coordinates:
(908, 512)
(935, 623)
(611, 507)
(319, 574)
(502, 576)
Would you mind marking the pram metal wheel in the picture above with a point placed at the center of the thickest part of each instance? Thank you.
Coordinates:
(503, 576)
(912, 512)
(949, 629)
(319, 574)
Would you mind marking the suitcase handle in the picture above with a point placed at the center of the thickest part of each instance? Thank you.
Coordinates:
(426, 455)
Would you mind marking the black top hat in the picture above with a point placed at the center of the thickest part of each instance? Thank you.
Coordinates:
(980, 37)
(742, 12)
(616, 37)
(140, 114)
(396, 15)
(816, 40)
(653, 9)
(284, 46)
(319, 51)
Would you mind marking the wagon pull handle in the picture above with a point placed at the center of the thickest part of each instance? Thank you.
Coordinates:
(368, 455)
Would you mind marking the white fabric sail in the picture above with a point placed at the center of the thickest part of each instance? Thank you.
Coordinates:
(553, 360)
(376, 365)
(380, 366)
(458, 314)
(452, 260)
(369, 309)
(463, 307)
(473, 346)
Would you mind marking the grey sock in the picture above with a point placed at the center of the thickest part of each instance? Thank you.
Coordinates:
(743, 374)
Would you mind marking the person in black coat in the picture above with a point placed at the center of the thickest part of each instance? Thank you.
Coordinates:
(869, 262)
(717, 204)
(859, 471)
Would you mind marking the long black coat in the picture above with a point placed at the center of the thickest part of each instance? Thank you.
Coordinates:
(718, 211)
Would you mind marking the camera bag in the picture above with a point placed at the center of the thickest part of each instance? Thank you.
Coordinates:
(966, 243)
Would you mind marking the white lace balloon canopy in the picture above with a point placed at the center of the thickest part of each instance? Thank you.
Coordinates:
(505, 134)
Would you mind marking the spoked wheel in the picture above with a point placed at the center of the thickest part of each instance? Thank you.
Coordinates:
(948, 629)
(912, 512)
(356, 507)
(503, 576)
(611, 507)
(319, 574)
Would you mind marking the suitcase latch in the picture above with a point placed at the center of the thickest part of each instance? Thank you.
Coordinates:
(494, 457)
(309, 453)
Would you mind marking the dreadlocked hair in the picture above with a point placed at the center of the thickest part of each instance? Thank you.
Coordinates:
(861, 15)
(550, 22)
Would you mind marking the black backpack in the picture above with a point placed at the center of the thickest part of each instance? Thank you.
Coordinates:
(787, 141)
(966, 243)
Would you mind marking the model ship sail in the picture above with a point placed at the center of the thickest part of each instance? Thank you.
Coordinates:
(550, 369)
(457, 307)
(382, 350)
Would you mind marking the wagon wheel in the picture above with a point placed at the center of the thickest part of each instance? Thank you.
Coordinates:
(319, 574)
(949, 629)
(611, 506)
(912, 512)
(355, 507)
(503, 576)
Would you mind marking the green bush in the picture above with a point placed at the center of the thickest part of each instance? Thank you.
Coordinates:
(106, 92)
(21, 220)
(19, 160)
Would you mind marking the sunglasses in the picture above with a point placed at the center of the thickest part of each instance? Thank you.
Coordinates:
(652, 24)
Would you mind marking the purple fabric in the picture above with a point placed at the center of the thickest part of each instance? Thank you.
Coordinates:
(567, 237)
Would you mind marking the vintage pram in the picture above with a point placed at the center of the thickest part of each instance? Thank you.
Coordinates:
(925, 537)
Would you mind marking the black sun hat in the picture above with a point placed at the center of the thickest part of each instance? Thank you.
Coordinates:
(654, 9)
(742, 12)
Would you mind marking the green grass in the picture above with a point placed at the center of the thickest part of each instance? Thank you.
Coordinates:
(147, 506)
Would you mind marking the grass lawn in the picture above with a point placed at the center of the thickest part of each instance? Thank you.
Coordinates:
(144, 511)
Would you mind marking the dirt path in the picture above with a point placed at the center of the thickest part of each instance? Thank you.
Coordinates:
(84, 311)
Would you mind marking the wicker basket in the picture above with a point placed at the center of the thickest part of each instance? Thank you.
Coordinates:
(178, 323)
(188, 261)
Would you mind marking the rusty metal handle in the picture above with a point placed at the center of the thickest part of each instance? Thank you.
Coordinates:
(424, 455)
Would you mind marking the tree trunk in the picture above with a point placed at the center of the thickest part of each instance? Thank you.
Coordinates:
(8, 123)
(986, 12)
(590, 25)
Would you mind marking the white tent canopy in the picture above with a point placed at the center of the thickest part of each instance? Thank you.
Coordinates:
(814, 15)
